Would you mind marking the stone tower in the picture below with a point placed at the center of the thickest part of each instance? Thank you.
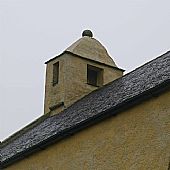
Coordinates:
(80, 69)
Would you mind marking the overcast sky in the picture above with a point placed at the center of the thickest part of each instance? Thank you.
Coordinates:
(33, 31)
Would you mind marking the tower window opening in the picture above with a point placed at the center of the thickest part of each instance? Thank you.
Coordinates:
(55, 73)
(94, 76)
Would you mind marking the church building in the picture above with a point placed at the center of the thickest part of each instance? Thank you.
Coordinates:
(95, 117)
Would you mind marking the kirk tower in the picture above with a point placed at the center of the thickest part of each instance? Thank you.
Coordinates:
(80, 69)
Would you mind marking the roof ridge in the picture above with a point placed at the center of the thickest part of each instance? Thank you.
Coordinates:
(150, 61)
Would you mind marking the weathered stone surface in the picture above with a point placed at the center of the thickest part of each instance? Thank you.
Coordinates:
(72, 84)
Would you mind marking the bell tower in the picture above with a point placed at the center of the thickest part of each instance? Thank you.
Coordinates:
(80, 69)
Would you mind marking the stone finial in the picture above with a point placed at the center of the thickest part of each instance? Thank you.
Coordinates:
(87, 33)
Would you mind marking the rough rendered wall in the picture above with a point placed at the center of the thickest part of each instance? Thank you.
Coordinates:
(76, 78)
(136, 139)
(54, 93)
(72, 80)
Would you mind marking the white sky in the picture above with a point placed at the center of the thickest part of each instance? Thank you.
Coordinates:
(33, 31)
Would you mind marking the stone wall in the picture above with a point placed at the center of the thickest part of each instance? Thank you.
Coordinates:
(72, 80)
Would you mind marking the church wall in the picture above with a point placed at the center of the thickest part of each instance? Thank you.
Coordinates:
(137, 138)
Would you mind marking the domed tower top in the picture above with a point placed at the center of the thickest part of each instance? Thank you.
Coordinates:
(90, 48)
(80, 69)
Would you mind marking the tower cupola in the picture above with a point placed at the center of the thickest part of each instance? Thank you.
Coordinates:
(81, 68)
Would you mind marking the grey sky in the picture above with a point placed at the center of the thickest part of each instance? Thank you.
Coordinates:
(32, 31)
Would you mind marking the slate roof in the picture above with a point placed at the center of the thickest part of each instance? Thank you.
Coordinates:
(144, 80)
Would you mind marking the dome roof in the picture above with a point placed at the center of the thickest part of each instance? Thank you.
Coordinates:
(92, 49)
